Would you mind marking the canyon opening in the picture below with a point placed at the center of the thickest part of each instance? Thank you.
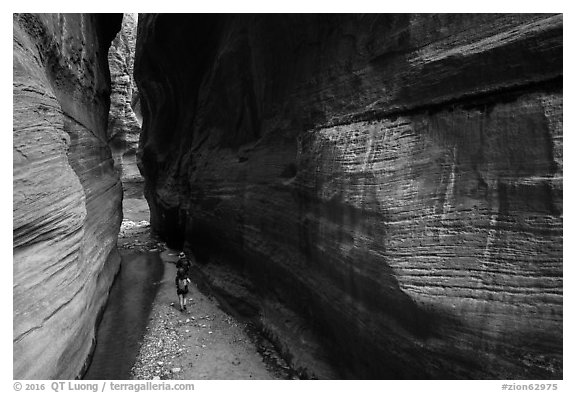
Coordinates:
(287, 196)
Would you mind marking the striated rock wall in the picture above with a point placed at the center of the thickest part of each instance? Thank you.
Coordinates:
(66, 194)
(395, 178)
(123, 123)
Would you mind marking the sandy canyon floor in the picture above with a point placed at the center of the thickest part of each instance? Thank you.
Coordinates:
(203, 342)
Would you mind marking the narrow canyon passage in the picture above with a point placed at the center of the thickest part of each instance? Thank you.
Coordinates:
(127, 311)
(361, 196)
(142, 334)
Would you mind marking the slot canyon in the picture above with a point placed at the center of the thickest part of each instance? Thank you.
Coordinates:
(379, 195)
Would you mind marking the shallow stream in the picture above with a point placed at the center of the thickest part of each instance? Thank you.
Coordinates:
(126, 314)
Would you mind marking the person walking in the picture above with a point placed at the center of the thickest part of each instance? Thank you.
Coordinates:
(183, 263)
(182, 282)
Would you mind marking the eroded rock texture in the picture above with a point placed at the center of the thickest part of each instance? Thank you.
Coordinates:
(67, 197)
(123, 123)
(396, 178)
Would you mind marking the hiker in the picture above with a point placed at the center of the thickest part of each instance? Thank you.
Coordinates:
(183, 263)
(182, 281)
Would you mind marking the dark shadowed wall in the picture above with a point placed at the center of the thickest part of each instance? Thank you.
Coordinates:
(395, 178)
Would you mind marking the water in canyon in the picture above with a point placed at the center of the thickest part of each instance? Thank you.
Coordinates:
(125, 318)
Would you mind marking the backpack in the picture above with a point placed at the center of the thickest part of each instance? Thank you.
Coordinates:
(182, 283)
(184, 265)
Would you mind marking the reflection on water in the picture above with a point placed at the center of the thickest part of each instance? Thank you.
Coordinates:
(124, 320)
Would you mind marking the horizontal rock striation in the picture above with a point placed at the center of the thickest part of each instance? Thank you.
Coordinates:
(123, 123)
(395, 178)
(67, 197)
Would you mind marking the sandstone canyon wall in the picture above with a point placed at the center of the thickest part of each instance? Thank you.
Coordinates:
(395, 178)
(123, 123)
(66, 194)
